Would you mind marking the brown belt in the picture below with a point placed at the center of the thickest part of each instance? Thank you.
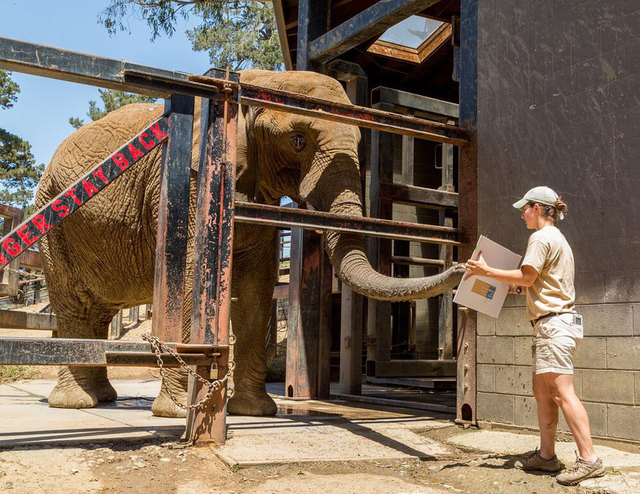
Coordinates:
(550, 314)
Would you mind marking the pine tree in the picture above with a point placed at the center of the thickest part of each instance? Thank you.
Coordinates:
(19, 173)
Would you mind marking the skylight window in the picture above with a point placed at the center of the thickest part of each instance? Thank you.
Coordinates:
(411, 32)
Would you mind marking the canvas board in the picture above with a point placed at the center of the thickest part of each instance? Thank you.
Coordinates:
(484, 294)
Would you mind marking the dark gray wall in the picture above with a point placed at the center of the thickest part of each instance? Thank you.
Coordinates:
(559, 105)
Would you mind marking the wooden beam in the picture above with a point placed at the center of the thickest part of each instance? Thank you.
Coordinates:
(416, 368)
(362, 27)
(16, 319)
(419, 196)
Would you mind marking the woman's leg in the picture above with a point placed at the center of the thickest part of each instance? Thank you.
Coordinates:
(547, 416)
(560, 387)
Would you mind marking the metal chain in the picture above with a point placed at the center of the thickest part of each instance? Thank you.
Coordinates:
(215, 385)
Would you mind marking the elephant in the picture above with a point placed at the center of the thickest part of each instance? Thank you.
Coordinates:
(102, 258)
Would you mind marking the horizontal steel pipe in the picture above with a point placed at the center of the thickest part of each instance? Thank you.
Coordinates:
(318, 220)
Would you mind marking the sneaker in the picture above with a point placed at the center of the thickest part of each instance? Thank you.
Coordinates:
(536, 462)
(580, 471)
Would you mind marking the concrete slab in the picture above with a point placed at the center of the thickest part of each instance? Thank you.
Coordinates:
(626, 480)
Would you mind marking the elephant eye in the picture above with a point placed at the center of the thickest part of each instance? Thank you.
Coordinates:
(299, 142)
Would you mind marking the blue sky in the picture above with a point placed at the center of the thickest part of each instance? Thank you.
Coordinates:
(44, 106)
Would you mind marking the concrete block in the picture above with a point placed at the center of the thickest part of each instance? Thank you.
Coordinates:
(522, 353)
(597, 418)
(636, 319)
(522, 376)
(607, 319)
(495, 407)
(525, 411)
(577, 382)
(623, 353)
(637, 387)
(505, 382)
(485, 376)
(495, 350)
(486, 325)
(591, 353)
(622, 422)
(608, 386)
(512, 322)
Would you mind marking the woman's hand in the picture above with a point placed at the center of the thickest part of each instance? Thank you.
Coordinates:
(477, 267)
(515, 290)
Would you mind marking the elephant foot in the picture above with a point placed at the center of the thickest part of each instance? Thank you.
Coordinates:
(163, 405)
(255, 403)
(81, 388)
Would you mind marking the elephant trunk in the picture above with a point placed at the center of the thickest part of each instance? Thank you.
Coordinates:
(337, 190)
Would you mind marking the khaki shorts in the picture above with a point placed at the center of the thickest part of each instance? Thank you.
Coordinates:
(554, 343)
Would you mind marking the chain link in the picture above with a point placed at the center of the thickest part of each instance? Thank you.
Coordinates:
(214, 385)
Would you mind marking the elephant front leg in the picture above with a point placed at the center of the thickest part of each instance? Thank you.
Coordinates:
(82, 387)
(254, 277)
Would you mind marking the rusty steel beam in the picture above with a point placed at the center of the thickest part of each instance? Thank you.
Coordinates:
(18, 319)
(87, 352)
(246, 212)
(39, 224)
(82, 68)
(351, 114)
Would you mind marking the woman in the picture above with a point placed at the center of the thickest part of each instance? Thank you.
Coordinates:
(547, 273)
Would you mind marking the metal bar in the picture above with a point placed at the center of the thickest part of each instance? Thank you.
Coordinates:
(56, 63)
(317, 220)
(351, 323)
(414, 196)
(368, 24)
(173, 219)
(39, 224)
(417, 261)
(313, 17)
(351, 114)
(115, 329)
(85, 352)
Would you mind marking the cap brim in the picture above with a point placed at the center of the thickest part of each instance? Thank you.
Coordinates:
(520, 204)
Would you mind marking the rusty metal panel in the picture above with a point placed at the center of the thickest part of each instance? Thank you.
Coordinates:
(173, 219)
(17, 319)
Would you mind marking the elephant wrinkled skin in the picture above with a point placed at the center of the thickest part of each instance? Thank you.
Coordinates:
(101, 259)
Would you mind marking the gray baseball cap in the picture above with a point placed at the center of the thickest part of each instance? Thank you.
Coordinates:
(541, 194)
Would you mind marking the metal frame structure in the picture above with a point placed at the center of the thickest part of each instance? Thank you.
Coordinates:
(215, 215)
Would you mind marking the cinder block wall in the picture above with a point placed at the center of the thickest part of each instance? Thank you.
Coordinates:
(559, 104)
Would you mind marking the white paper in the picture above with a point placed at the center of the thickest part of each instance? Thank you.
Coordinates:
(484, 294)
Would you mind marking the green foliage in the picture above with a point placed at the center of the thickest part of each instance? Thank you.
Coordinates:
(19, 174)
(111, 100)
(8, 90)
(11, 373)
(236, 34)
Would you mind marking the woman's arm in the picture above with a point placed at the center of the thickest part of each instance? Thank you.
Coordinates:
(525, 276)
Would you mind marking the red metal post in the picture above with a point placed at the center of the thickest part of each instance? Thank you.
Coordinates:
(213, 260)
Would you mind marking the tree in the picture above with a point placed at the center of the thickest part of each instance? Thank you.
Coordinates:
(237, 34)
(19, 174)
(111, 100)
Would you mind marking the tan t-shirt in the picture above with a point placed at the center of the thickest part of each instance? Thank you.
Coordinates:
(548, 252)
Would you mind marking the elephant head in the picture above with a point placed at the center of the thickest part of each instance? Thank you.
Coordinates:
(318, 164)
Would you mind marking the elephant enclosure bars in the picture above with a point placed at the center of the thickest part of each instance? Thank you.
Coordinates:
(208, 352)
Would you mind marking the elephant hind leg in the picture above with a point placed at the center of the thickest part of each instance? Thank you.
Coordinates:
(82, 387)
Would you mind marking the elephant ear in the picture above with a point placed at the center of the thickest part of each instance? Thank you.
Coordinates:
(252, 171)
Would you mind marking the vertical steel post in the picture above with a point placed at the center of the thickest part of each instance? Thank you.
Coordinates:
(173, 218)
(213, 258)
(468, 204)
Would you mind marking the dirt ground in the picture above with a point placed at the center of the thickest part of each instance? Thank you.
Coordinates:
(172, 468)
